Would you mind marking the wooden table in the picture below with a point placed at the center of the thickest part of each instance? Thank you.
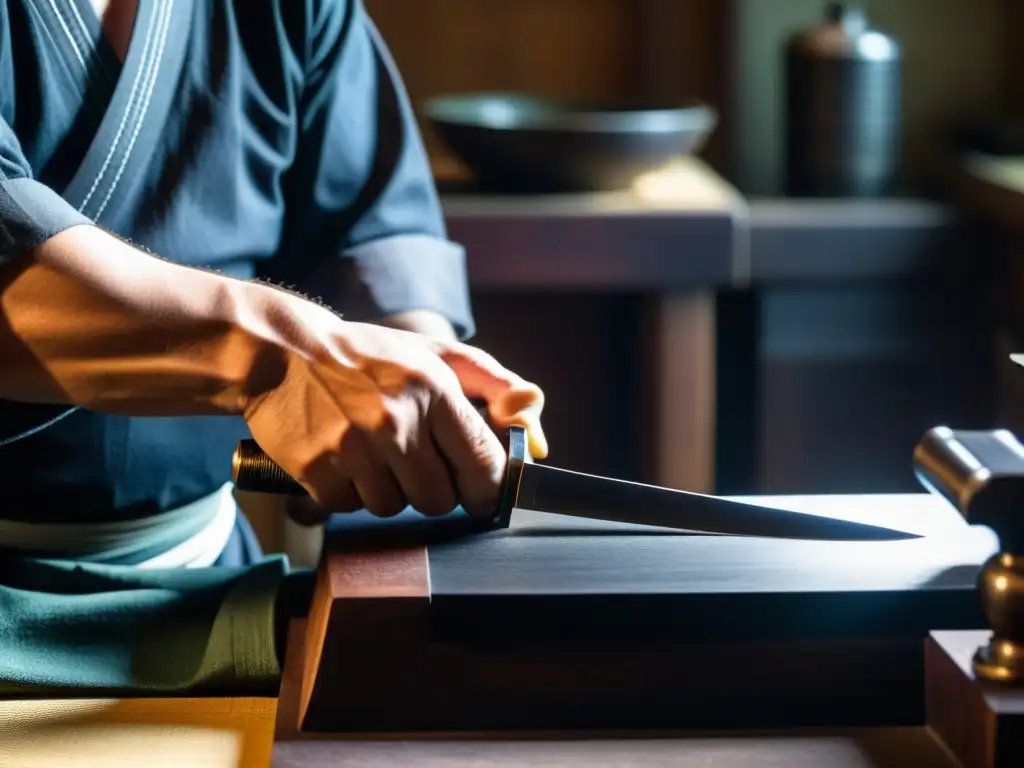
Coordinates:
(223, 732)
(880, 748)
(153, 732)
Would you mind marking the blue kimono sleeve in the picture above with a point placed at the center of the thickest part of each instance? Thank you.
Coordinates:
(30, 212)
(362, 192)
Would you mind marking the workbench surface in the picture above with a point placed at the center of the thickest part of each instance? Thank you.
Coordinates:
(554, 575)
(878, 748)
(576, 556)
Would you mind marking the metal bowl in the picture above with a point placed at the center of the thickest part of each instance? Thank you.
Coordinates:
(521, 143)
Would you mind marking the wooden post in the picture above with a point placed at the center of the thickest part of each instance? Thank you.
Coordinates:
(981, 723)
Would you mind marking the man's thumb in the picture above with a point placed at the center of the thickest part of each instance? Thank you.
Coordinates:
(511, 400)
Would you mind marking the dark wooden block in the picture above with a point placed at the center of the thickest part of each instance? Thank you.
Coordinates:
(570, 625)
(906, 747)
(982, 723)
(369, 601)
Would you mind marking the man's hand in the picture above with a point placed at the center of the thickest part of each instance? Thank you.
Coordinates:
(510, 401)
(519, 409)
(381, 419)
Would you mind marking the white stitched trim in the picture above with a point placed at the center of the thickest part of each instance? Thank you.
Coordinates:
(85, 30)
(127, 112)
(78, 51)
(149, 68)
(165, 21)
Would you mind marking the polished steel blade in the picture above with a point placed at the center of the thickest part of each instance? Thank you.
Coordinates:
(564, 492)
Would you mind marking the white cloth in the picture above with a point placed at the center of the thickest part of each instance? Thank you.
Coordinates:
(202, 549)
(214, 515)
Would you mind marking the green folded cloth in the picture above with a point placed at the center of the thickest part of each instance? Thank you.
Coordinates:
(82, 630)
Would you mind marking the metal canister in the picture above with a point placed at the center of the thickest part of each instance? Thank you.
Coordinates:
(842, 131)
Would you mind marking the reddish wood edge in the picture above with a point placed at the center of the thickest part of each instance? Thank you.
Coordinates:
(981, 723)
(360, 592)
(313, 638)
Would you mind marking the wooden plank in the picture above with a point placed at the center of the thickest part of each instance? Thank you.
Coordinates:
(682, 365)
(980, 722)
(569, 48)
(90, 733)
(874, 748)
(684, 52)
(655, 51)
(1013, 55)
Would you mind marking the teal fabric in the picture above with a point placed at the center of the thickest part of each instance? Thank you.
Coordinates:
(81, 629)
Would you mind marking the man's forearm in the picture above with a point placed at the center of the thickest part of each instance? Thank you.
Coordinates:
(89, 320)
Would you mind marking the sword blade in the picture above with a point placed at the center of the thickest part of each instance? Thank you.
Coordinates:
(563, 492)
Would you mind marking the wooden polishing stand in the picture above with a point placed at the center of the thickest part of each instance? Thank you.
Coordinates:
(974, 681)
(422, 629)
(378, 659)
(391, 649)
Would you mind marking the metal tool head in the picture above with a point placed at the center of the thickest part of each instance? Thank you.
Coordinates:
(981, 473)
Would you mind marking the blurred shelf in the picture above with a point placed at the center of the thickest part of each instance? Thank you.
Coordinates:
(675, 230)
(696, 230)
(854, 239)
(993, 189)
